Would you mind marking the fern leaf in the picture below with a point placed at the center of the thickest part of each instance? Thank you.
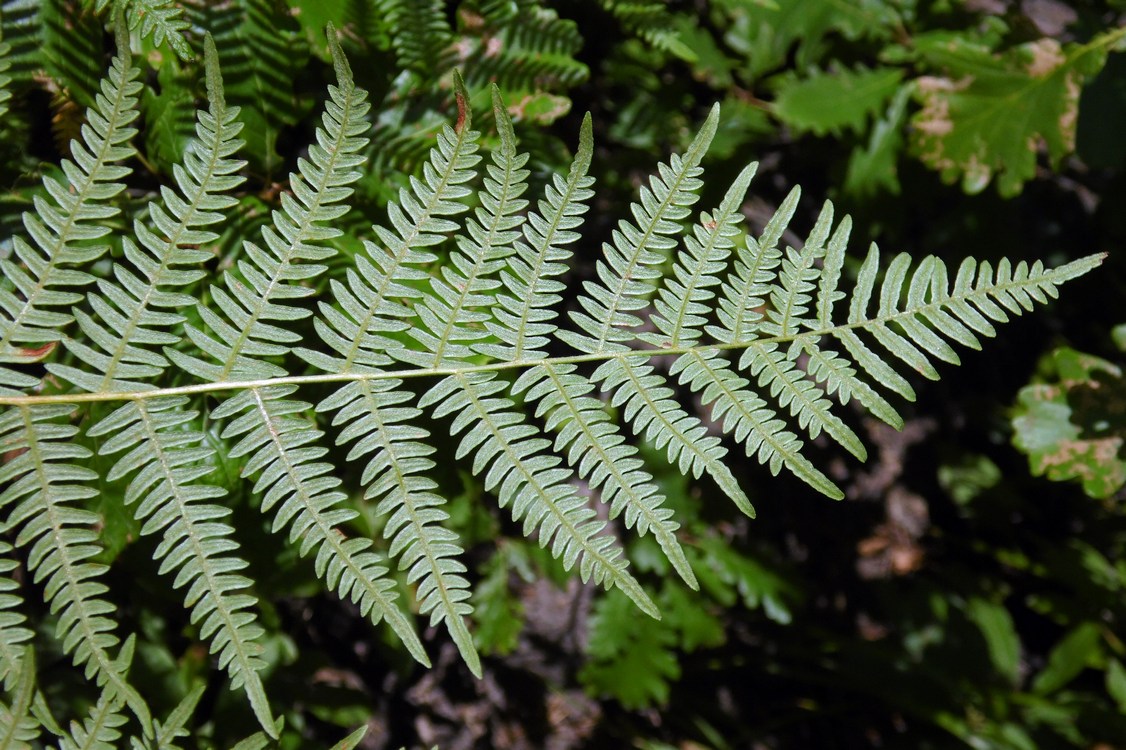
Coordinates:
(304, 492)
(418, 220)
(291, 478)
(372, 417)
(744, 294)
(420, 33)
(593, 444)
(124, 316)
(240, 337)
(43, 483)
(650, 406)
(99, 731)
(13, 633)
(63, 227)
(680, 307)
(159, 18)
(449, 321)
(356, 332)
(632, 261)
(530, 481)
(521, 316)
(17, 727)
(167, 460)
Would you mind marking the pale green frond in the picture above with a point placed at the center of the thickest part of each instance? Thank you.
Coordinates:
(138, 307)
(13, 633)
(593, 444)
(777, 372)
(160, 19)
(744, 293)
(100, 729)
(166, 733)
(43, 487)
(632, 263)
(522, 315)
(838, 376)
(681, 307)
(372, 416)
(369, 302)
(450, 317)
(64, 226)
(282, 452)
(747, 416)
(913, 316)
(166, 459)
(649, 404)
(790, 298)
(512, 463)
(252, 313)
(18, 729)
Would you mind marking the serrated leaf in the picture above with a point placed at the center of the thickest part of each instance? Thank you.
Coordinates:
(834, 101)
(989, 114)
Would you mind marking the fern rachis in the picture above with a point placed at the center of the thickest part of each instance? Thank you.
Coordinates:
(463, 304)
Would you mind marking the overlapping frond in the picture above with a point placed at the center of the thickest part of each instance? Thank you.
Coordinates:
(420, 33)
(135, 311)
(17, 727)
(13, 631)
(35, 297)
(295, 484)
(43, 489)
(161, 19)
(692, 332)
(100, 730)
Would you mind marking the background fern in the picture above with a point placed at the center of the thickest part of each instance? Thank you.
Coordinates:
(431, 334)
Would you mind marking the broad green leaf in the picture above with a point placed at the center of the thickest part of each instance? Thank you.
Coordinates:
(873, 167)
(996, 626)
(834, 101)
(1076, 651)
(1072, 427)
(989, 114)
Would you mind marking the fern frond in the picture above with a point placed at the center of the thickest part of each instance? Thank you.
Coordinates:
(99, 731)
(17, 727)
(522, 311)
(529, 480)
(305, 495)
(632, 262)
(594, 445)
(240, 337)
(358, 333)
(372, 417)
(42, 486)
(63, 227)
(167, 459)
(369, 301)
(293, 482)
(137, 307)
(166, 733)
(449, 318)
(420, 33)
(13, 633)
(159, 18)
(533, 49)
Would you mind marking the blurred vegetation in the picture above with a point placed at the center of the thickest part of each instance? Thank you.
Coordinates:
(955, 598)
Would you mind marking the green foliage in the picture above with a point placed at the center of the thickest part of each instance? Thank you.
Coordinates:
(988, 113)
(1071, 424)
(252, 409)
